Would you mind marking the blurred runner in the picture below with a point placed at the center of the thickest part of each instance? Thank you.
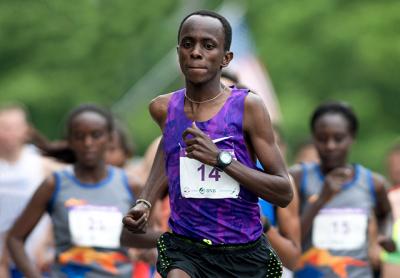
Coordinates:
(86, 202)
(338, 200)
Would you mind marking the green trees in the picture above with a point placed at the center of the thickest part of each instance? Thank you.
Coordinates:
(56, 54)
(334, 50)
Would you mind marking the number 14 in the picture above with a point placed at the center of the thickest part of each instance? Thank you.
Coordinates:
(214, 173)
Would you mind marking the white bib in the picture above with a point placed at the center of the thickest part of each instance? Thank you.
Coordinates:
(198, 180)
(95, 226)
(340, 229)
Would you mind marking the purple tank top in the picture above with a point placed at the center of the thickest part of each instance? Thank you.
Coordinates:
(223, 221)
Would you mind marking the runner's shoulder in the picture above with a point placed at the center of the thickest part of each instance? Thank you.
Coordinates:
(253, 100)
(380, 182)
(255, 113)
(158, 107)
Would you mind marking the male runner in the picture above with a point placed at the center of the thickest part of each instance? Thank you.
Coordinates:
(212, 135)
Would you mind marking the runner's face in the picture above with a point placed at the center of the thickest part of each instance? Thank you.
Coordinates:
(201, 48)
(13, 130)
(89, 138)
(333, 140)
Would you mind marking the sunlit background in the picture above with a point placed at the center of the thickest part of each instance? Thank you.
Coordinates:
(121, 54)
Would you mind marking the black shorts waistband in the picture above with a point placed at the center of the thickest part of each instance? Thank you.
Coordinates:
(218, 247)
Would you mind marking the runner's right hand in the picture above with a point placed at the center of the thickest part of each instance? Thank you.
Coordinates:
(137, 218)
(334, 182)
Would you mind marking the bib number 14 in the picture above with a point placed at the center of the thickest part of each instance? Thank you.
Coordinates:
(213, 174)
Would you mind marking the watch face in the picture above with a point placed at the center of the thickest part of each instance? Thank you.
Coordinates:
(226, 157)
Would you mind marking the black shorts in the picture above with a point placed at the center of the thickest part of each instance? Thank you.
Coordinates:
(200, 260)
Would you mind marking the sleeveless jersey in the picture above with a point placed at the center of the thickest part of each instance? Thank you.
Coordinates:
(337, 245)
(87, 225)
(218, 221)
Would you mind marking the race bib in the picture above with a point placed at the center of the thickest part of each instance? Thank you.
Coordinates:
(198, 180)
(340, 229)
(95, 226)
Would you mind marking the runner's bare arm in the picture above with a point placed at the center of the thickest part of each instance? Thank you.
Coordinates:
(383, 213)
(374, 250)
(26, 223)
(273, 184)
(286, 240)
(156, 184)
(382, 209)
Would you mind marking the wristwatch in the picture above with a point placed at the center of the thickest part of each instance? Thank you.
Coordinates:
(224, 158)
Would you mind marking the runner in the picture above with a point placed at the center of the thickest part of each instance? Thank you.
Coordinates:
(86, 202)
(337, 200)
(22, 169)
(391, 261)
(211, 137)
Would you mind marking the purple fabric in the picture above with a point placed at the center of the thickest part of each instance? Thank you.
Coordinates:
(223, 221)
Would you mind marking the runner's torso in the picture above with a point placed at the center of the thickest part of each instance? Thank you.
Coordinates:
(213, 207)
(87, 225)
(338, 242)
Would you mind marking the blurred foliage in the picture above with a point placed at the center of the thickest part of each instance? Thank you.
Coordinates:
(57, 54)
(334, 50)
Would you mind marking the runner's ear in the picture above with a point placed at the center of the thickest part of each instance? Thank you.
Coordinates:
(227, 59)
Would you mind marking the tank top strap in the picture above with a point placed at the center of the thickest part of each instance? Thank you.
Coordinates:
(175, 104)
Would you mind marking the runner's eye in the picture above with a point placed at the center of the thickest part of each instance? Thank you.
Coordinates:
(97, 134)
(339, 138)
(186, 44)
(209, 46)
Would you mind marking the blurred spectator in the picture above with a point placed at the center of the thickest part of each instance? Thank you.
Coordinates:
(22, 169)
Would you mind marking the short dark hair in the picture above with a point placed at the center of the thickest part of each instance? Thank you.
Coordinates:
(336, 107)
(225, 24)
(90, 108)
